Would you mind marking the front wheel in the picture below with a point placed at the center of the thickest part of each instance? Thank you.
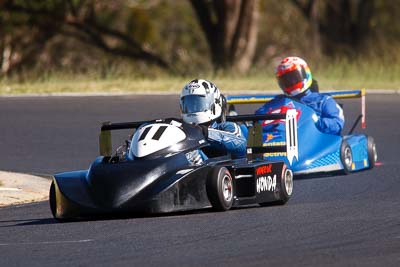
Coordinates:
(52, 200)
(220, 190)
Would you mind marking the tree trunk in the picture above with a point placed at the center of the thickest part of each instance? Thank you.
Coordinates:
(231, 30)
(343, 25)
(315, 28)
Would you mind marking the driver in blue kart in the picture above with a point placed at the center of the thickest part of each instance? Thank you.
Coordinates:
(202, 104)
(295, 79)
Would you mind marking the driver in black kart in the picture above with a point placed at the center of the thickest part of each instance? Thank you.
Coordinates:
(295, 79)
(202, 104)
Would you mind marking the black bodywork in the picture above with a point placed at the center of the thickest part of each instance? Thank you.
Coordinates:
(165, 181)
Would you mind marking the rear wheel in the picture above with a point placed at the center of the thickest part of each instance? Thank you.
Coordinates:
(346, 157)
(287, 183)
(286, 188)
(372, 154)
(220, 188)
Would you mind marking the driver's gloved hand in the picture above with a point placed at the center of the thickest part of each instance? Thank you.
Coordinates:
(232, 110)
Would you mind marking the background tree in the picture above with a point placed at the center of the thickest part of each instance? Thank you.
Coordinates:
(341, 25)
(152, 37)
(231, 29)
(97, 23)
(25, 36)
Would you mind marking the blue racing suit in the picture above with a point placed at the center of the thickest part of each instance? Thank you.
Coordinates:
(330, 115)
(331, 118)
(229, 137)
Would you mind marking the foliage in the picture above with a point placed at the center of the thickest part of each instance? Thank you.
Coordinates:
(57, 40)
(341, 74)
(231, 30)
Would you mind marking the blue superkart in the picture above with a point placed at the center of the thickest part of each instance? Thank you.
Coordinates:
(314, 152)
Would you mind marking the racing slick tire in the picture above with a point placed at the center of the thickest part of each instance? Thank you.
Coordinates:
(286, 188)
(372, 154)
(53, 205)
(346, 157)
(220, 189)
(52, 200)
(287, 185)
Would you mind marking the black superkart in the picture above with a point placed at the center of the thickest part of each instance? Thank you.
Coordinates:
(169, 166)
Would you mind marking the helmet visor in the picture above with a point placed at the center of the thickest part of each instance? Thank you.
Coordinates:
(291, 80)
(194, 103)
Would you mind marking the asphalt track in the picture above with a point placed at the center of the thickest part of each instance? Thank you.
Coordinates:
(351, 220)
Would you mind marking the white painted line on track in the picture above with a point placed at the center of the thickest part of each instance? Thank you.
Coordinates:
(46, 242)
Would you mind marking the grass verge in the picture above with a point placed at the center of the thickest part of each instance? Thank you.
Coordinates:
(174, 85)
(343, 75)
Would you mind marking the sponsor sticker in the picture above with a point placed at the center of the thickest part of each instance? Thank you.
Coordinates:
(270, 137)
(266, 183)
(275, 154)
(264, 169)
(282, 143)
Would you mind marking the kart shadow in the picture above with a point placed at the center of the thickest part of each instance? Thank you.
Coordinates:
(50, 221)
(28, 222)
(133, 216)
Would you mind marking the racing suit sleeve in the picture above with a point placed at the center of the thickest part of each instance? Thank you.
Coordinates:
(331, 119)
(228, 136)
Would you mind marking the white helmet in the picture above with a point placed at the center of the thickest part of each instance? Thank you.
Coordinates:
(201, 102)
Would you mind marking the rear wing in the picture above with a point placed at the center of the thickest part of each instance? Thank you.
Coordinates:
(261, 99)
(255, 148)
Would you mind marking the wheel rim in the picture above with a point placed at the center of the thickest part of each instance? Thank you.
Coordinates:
(348, 159)
(227, 187)
(288, 181)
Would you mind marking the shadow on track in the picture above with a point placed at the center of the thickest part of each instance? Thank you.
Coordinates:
(28, 222)
(50, 221)
(320, 175)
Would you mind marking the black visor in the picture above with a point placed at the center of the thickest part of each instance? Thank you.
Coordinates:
(290, 79)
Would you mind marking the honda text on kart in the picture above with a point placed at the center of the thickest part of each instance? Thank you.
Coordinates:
(318, 152)
(169, 166)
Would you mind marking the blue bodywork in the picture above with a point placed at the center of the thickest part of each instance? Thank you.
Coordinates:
(317, 151)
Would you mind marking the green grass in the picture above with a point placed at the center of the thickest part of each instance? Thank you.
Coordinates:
(142, 85)
(342, 75)
(174, 85)
(359, 74)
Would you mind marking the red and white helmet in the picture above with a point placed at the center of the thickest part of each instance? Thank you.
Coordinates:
(201, 102)
(293, 75)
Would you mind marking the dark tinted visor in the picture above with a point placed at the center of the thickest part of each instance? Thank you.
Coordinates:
(194, 103)
(290, 79)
